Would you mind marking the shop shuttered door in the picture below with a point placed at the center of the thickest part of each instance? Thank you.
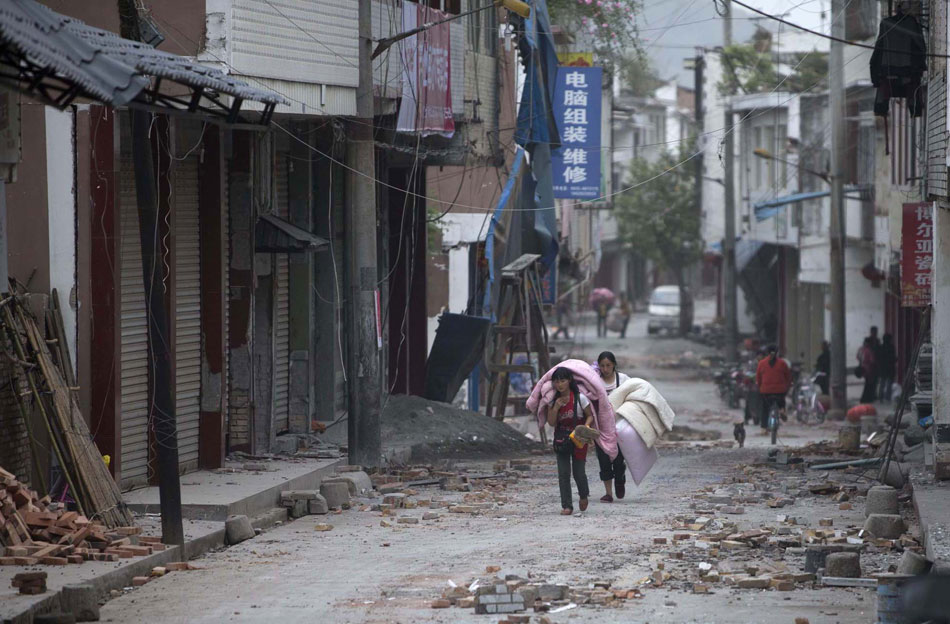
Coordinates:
(134, 340)
(282, 308)
(187, 311)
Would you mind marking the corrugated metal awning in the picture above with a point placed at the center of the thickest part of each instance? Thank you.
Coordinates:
(275, 235)
(55, 58)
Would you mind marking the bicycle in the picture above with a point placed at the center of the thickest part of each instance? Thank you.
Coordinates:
(808, 403)
(775, 415)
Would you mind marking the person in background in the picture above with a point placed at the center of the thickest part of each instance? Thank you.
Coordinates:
(602, 309)
(626, 311)
(570, 408)
(823, 365)
(868, 366)
(563, 319)
(611, 472)
(886, 368)
(773, 378)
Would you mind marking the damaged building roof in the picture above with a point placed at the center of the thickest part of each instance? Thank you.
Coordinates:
(56, 58)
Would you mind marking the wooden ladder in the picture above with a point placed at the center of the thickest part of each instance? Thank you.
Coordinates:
(519, 328)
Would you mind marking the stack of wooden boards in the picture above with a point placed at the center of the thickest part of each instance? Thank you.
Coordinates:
(51, 394)
(34, 530)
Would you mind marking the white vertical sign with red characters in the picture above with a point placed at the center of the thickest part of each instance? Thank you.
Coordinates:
(426, 105)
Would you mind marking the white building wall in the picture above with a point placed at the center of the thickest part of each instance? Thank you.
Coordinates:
(459, 232)
(61, 200)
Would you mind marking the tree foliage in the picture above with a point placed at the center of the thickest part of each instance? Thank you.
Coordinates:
(637, 74)
(747, 68)
(659, 218)
(608, 23)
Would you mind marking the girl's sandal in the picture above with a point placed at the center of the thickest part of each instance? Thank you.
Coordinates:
(606, 498)
(567, 512)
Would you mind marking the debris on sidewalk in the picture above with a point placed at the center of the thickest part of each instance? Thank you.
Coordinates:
(30, 582)
(35, 530)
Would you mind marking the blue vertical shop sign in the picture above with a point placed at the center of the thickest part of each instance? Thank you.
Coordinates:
(577, 111)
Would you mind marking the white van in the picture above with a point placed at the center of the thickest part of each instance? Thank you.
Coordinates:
(664, 309)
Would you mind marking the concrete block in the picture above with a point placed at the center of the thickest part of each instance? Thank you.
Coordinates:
(336, 494)
(318, 505)
(237, 529)
(80, 600)
(287, 498)
(358, 481)
(882, 499)
(299, 509)
(912, 563)
(552, 592)
(843, 564)
(888, 526)
(896, 474)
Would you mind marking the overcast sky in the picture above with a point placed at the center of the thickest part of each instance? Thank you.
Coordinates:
(669, 30)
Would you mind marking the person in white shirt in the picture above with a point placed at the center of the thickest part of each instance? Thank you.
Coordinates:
(612, 473)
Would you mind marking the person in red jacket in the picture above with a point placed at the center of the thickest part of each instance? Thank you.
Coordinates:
(773, 378)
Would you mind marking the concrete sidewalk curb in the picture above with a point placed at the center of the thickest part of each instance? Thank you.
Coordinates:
(252, 505)
(932, 504)
(122, 577)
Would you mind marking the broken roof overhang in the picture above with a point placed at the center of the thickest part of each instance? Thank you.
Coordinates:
(275, 235)
(55, 58)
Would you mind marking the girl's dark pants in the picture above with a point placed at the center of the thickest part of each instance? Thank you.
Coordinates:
(611, 470)
(566, 464)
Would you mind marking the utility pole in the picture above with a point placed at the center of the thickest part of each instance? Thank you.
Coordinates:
(839, 369)
(365, 384)
(699, 64)
(729, 237)
(161, 406)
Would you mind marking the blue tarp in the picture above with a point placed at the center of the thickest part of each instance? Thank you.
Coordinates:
(535, 114)
(537, 131)
(490, 238)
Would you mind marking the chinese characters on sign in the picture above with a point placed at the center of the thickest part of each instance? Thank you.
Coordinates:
(576, 165)
(426, 82)
(917, 252)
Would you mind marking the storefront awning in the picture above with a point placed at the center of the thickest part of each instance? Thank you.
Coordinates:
(275, 235)
(56, 59)
(767, 209)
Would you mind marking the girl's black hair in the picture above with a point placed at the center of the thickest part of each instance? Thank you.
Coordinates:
(565, 373)
(773, 354)
(607, 355)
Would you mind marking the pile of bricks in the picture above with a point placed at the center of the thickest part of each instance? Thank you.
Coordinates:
(30, 582)
(34, 530)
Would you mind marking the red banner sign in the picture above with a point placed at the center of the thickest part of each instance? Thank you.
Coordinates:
(426, 105)
(917, 253)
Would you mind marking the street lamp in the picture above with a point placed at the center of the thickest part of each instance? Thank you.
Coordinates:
(761, 152)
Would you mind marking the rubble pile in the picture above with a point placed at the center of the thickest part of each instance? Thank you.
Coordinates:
(709, 548)
(513, 594)
(401, 490)
(35, 530)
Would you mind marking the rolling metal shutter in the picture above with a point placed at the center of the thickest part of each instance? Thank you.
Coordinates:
(134, 339)
(282, 308)
(187, 312)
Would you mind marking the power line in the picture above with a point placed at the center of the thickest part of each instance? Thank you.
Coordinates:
(829, 37)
